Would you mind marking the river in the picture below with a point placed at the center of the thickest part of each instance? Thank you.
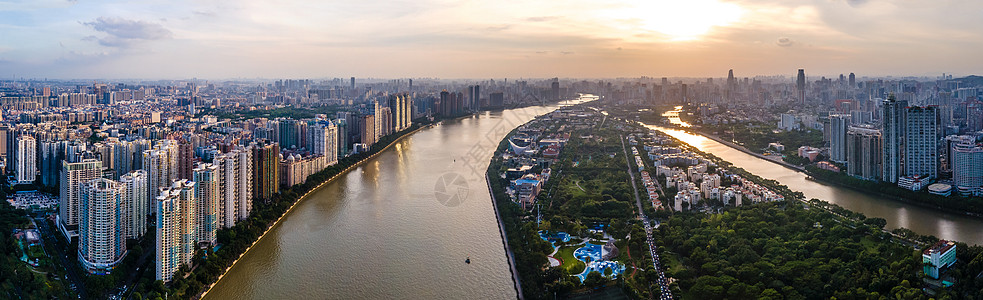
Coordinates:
(384, 230)
(898, 214)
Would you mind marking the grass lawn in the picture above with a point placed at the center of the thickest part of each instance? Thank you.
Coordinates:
(673, 264)
(571, 264)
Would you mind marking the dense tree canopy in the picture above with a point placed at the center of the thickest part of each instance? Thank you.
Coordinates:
(783, 250)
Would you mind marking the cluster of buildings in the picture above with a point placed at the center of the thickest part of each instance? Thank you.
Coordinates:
(650, 185)
(186, 159)
(911, 132)
(907, 146)
(32, 200)
(534, 148)
(691, 176)
(124, 165)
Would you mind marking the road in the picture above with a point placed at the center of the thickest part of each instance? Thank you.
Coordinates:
(142, 267)
(73, 276)
(666, 294)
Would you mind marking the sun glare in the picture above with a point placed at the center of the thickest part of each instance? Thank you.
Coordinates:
(681, 20)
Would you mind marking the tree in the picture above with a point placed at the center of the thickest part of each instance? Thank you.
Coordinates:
(594, 279)
(879, 223)
(770, 294)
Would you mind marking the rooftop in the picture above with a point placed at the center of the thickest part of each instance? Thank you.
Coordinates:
(941, 246)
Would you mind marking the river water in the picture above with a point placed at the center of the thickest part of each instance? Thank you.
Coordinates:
(386, 230)
(919, 219)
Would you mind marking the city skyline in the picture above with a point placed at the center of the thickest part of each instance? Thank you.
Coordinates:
(629, 149)
(246, 39)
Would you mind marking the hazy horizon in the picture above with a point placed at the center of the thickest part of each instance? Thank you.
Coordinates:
(60, 39)
(363, 80)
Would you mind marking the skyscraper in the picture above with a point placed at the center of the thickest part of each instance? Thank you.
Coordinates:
(235, 186)
(407, 111)
(921, 142)
(175, 228)
(266, 170)
(161, 164)
(289, 133)
(342, 127)
(476, 98)
(73, 175)
(123, 154)
(52, 153)
(800, 85)
(893, 134)
(555, 90)
(395, 103)
(731, 84)
(967, 169)
(324, 141)
(853, 81)
(837, 137)
(139, 146)
(185, 160)
(137, 205)
(445, 105)
(367, 130)
(5, 138)
(207, 195)
(863, 152)
(948, 147)
(101, 215)
(496, 99)
(26, 160)
(377, 118)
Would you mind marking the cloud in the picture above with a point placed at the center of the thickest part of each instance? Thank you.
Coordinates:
(856, 2)
(121, 32)
(566, 52)
(785, 42)
(542, 19)
(206, 14)
(498, 28)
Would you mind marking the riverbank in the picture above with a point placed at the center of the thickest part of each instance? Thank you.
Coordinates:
(744, 149)
(505, 243)
(820, 180)
(304, 197)
(813, 177)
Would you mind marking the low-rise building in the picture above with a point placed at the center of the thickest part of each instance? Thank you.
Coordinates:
(914, 182)
(938, 257)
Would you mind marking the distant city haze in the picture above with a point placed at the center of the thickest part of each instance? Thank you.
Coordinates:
(70, 39)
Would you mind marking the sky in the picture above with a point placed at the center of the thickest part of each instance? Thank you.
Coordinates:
(217, 39)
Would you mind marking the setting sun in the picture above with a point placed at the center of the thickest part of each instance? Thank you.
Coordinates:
(680, 20)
